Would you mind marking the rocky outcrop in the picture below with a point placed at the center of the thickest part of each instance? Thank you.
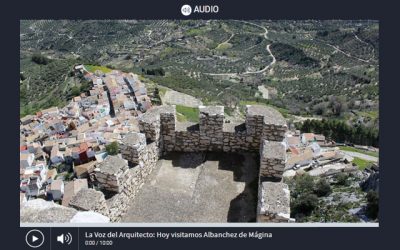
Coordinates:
(88, 199)
(274, 202)
(41, 211)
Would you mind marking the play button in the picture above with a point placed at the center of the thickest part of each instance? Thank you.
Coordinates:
(34, 238)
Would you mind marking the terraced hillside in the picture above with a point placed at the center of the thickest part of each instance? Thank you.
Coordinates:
(325, 68)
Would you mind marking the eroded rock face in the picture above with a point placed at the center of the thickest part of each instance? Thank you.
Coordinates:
(89, 217)
(273, 202)
(41, 211)
(88, 199)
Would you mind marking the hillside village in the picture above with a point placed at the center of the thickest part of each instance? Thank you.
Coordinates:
(61, 148)
(58, 144)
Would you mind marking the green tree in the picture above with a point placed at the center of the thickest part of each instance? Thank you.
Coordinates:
(322, 188)
(339, 131)
(342, 179)
(155, 72)
(75, 91)
(40, 59)
(303, 184)
(85, 87)
(304, 205)
(112, 148)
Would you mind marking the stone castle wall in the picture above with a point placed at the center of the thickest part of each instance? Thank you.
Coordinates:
(263, 131)
(111, 174)
(211, 128)
(123, 177)
(136, 176)
(212, 133)
(272, 159)
(186, 141)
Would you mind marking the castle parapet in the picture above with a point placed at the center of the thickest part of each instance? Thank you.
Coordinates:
(123, 177)
(132, 146)
(212, 133)
(168, 127)
(274, 125)
(272, 159)
(254, 119)
(264, 122)
(111, 174)
(160, 132)
(187, 136)
(211, 128)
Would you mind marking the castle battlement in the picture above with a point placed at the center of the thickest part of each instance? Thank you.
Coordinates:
(262, 132)
(213, 133)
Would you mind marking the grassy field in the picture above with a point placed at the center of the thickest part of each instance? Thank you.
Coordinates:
(361, 163)
(187, 113)
(93, 68)
(351, 149)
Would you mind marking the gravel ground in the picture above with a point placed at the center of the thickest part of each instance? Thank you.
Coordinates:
(198, 188)
(177, 98)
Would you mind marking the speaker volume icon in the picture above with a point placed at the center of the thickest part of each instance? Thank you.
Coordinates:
(67, 238)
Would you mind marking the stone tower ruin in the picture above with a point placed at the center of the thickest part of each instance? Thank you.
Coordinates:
(263, 131)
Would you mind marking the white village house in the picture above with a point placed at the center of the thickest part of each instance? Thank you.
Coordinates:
(26, 160)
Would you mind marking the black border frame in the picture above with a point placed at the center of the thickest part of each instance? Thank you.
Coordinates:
(313, 238)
